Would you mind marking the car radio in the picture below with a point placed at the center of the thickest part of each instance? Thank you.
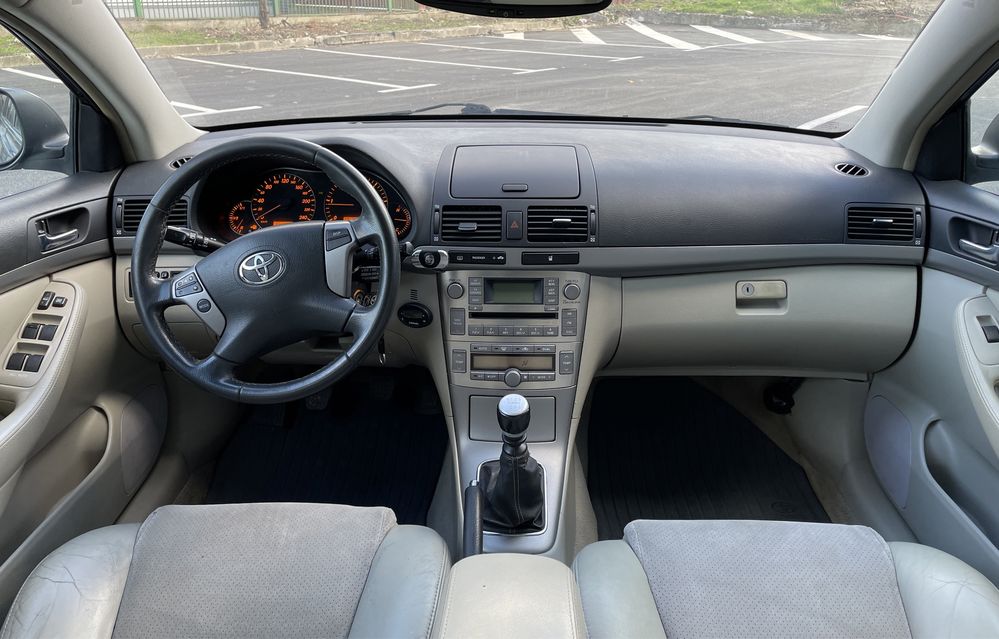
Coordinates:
(508, 329)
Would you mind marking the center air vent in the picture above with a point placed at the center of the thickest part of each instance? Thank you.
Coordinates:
(853, 170)
(557, 224)
(471, 224)
(881, 223)
(133, 208)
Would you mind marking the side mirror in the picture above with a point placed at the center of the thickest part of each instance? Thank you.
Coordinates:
(520, 8)
(32, 135)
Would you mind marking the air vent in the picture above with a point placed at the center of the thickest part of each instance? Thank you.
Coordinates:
(557, 224)
(471, 224)
(133, 208)
(881, 223)
(853, 170)
(179, 162)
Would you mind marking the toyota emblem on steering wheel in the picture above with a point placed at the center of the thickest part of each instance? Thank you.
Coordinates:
(261, 268)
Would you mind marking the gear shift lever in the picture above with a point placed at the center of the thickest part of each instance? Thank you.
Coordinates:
(513, 486)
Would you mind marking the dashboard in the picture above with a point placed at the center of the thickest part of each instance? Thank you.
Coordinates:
(250, 198)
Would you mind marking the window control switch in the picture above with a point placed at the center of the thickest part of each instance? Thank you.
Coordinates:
(30, 330)
(991, 333)
(33, 363)
(46, 300)
(47, 332)
(16, 361)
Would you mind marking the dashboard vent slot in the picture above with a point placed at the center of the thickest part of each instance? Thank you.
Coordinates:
(471, 224)
(853, 170)
(133, 208)
(179, 162)
(881, 223)
(558, 224)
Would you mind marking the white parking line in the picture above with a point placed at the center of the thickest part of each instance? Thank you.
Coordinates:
(726, 34)
(569, 55)
(798, 34)
(655, 35)
(811, 124)
(585, 35)
(391, 88)
(517, 70)
(217, 111)
(883, 37)
(29, 74)
(516, 35)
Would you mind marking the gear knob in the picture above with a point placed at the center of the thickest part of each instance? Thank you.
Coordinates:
(514, 416)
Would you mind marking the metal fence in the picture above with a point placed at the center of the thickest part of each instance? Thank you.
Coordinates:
(222, 9)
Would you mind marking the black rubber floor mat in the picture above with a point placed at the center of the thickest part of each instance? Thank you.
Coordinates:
(378, 442)
(667, 448)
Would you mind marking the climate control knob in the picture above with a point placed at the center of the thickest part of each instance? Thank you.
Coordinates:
(571, 291)
(455, 290)
(513, 377)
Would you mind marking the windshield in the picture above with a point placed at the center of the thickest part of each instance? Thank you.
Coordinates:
(808, 64)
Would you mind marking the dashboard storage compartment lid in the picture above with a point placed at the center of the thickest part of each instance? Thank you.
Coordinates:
(515, 171)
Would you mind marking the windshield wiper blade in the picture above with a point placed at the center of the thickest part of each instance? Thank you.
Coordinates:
(716, 118)
(473, 108)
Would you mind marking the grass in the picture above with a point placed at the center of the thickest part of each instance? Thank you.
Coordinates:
(743, 7)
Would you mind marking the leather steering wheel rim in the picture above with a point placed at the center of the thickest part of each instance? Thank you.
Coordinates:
(297, 302)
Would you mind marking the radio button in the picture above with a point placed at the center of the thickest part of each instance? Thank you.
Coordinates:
(544, 348)
(566, 362)
(475, 331)
(551, 331)
(535, 331)
(520, 331)
(491, 331)
(506, 331)
(571, 291)
(455, 290)
(457, 321)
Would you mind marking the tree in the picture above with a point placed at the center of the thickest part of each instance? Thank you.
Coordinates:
(265, 17)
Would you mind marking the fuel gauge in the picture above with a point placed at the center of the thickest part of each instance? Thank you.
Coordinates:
(241, 219)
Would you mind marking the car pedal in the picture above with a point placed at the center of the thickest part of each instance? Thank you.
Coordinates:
(380, 388)
(320, 400)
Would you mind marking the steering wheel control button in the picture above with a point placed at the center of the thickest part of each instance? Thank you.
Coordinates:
(459, 361)
(512, 378)
(187, 285)
(16, 361)
(571, 291)
(46, 300)
(261, 268)
(455, 290)
(30, 331)
(204, 305)
(47, 332)
(33, 363)
(457, 321)
(335, 238)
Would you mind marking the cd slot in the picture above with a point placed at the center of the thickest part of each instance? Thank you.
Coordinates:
(506, 316)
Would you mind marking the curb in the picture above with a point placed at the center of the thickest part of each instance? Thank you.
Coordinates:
(829, 24)
(409, 35)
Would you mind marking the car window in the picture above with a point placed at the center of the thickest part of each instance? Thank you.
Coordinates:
(35, 110)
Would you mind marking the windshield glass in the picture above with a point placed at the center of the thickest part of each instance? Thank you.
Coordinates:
(809, 64)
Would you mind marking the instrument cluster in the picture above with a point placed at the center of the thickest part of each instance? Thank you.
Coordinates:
(286, 196)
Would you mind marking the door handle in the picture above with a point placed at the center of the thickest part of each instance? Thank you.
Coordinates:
(988, 253)
(52, 242)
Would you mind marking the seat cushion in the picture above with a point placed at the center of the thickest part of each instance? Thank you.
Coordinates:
(776, 579)
(239, 570)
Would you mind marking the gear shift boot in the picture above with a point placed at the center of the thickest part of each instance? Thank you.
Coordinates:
(513, 487)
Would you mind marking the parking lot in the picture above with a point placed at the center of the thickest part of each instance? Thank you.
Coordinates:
(819, 81)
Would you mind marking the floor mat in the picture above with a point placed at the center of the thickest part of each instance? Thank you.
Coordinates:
(667, 448)
(380, 441)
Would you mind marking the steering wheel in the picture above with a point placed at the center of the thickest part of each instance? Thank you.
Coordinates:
(272, 287)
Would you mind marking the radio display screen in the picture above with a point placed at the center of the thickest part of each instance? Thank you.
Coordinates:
(493, 362)
(508, 291)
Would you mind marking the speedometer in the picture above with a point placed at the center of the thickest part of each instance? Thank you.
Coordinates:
(283, 198)
(340, 205)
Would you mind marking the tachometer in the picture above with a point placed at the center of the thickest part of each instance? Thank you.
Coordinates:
(241, 219)
(401, 218)
(283, 198)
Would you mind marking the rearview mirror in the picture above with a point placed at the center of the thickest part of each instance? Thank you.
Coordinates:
(520, 8)
(32, 135)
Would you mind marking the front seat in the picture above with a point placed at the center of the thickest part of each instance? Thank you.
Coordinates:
(682, 579)
(239, 570)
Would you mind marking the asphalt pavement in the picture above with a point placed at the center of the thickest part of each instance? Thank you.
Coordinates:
(819, 81)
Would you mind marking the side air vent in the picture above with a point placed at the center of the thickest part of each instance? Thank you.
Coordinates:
(881, 223)
(179, 162)
(133, 208)
(557, 224)
(853, 170)
(471, 224)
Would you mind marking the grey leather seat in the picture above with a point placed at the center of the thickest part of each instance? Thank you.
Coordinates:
(741, 579)
(250, 570)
